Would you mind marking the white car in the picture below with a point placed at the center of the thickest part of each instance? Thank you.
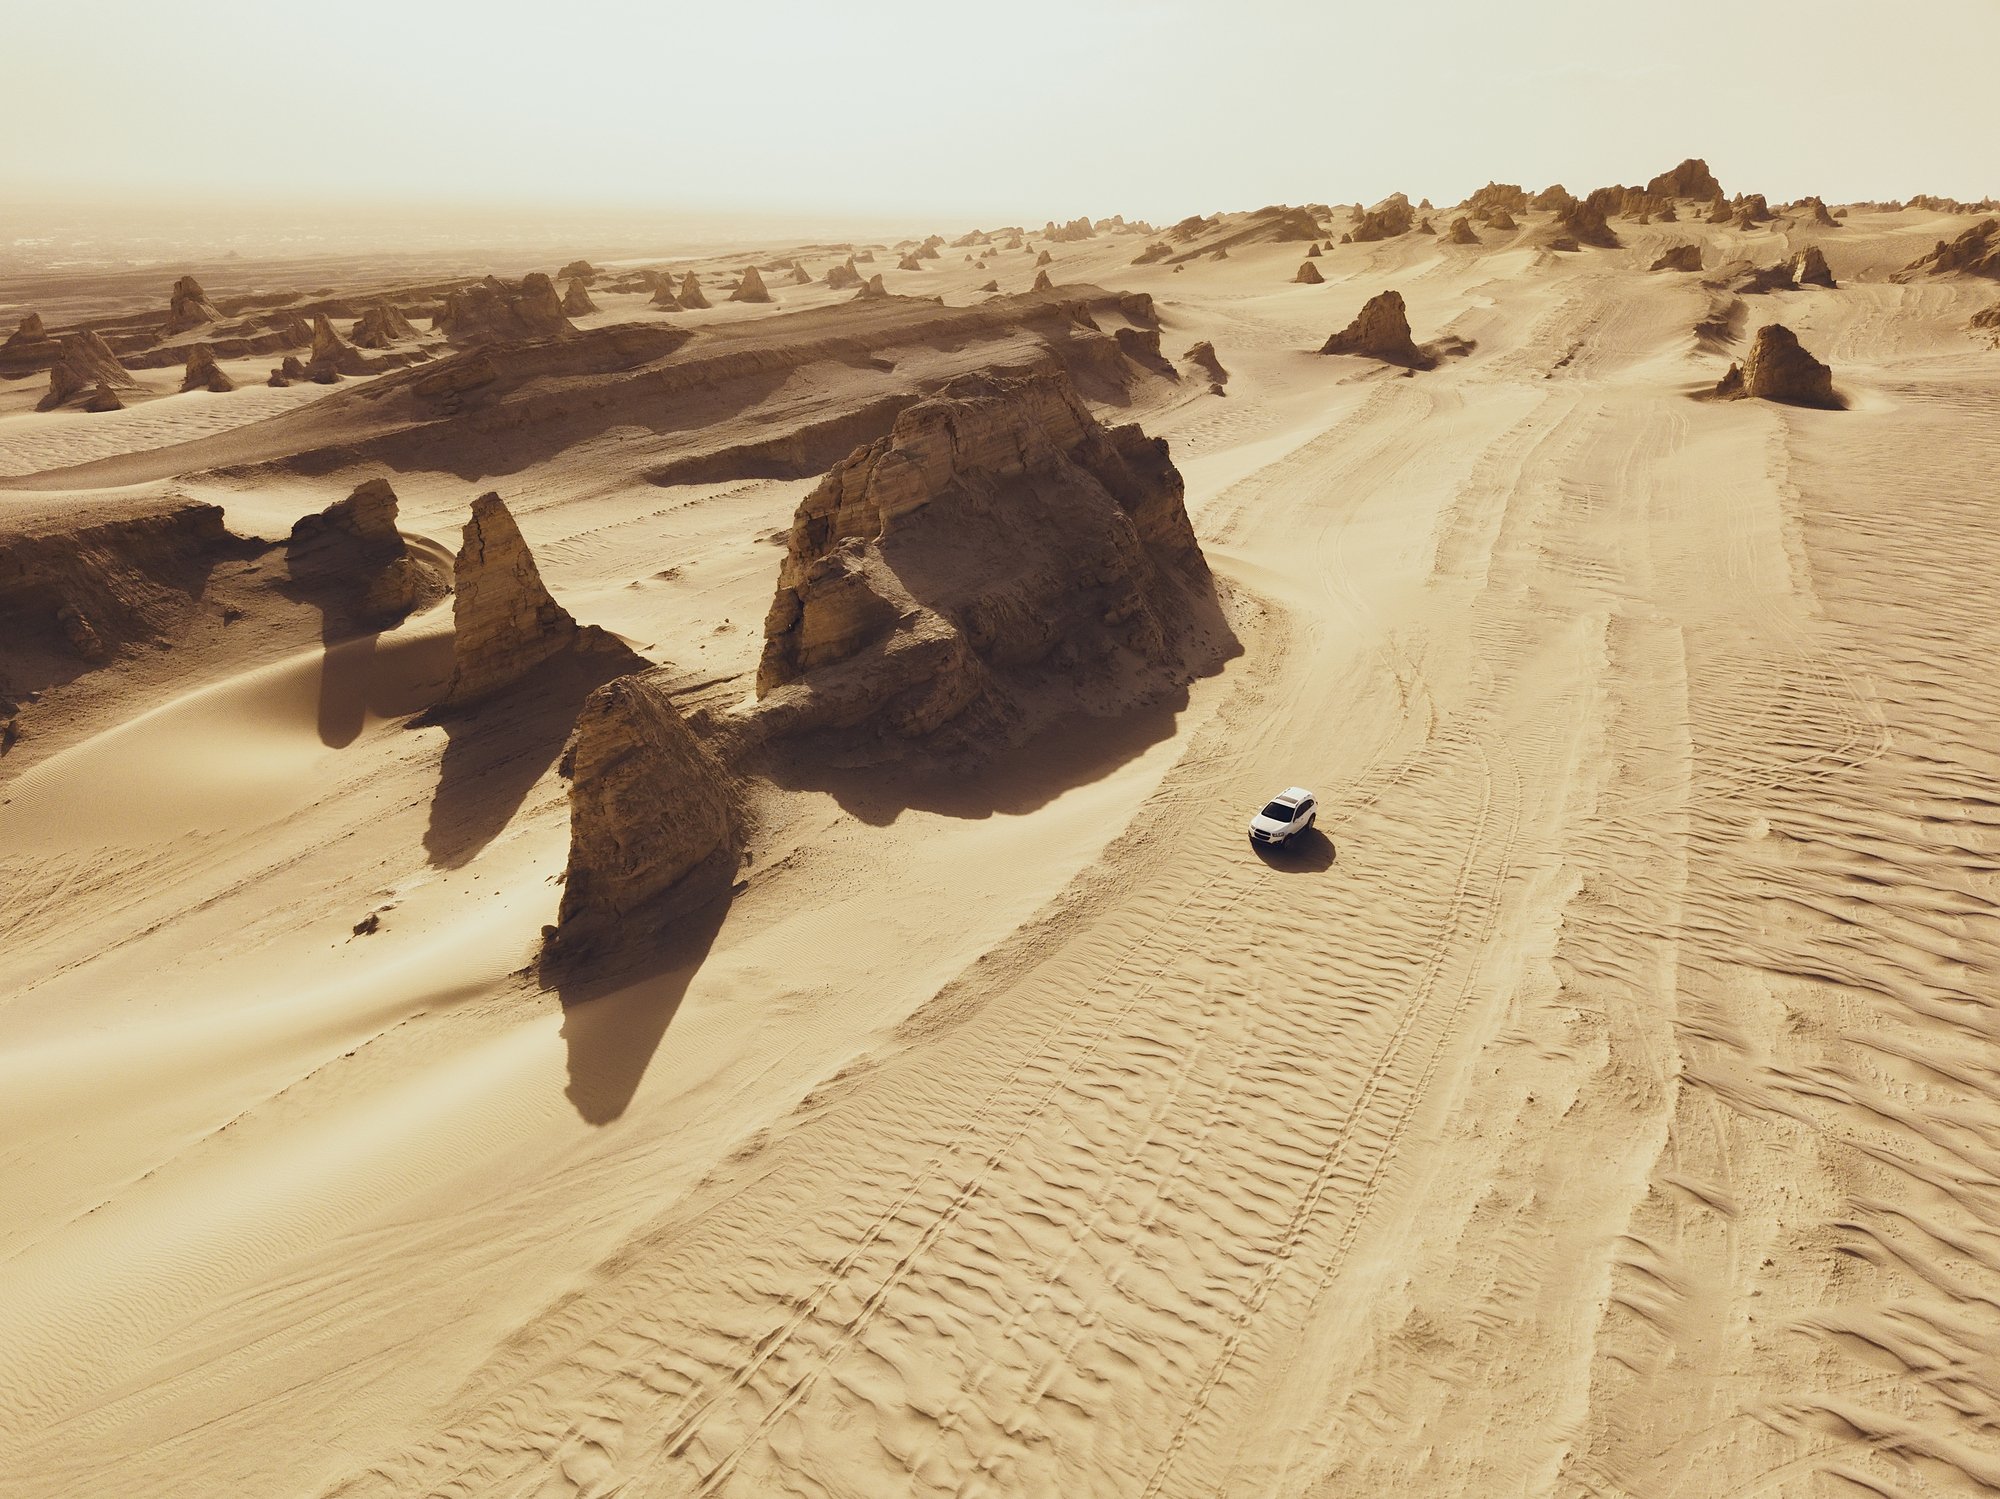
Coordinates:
(1284, 817)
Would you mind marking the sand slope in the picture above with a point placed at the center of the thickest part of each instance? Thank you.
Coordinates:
(1604, 1105)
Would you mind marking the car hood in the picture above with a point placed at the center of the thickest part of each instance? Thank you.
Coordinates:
(1264, 824)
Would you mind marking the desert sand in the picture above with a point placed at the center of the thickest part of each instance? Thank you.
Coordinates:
(934, 1092)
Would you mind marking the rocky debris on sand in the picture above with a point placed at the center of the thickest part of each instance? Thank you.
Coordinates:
(1202, 356)
(1308, 274)
(1391, 217)
(579, 270)
(1976, 252)
(1691, 179)
(997, 536)
(85, 368)
(1461, 232)
(655, 825)
(1778, 369)
(504, 621)
(1678, 258)
(380, 326)
(576, 300)
(203, 373)
(351, 561)
(750, 288)
(188, 307)
(288, 372)
(1381, 331)
(871, 289)
(690, 293)
(1809, 268)
(496, 311)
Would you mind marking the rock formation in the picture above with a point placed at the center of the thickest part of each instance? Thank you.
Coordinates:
(1202, 356)
(841, 277)
(1381, 331)
(1499, 218)
(28, 331)
(654, 825)
(1691, 179)
(288, 372)
(909, 263)
(1042, 282)
(1497, 198)
(1308, 274)
(1988, 320)
(332, 356)
(103, 398)
(1719, 211)
(1976, 252)
(28, 348)
(1809, 268)
(872, 288)
(505, 623)
(989, 286)
(1678, 258)
(85, 367)
(1391, 217)
(579, 270)
(351, 561)
(496, 311)
(1156, 251)
(1751, 208)
(1461, 232)
(576, 300)
(380, 326)
(1043, 258)
(189, 307)
(203, 373)
(1813, 211)
(1778, 369)
(690, 292)
(801, 278)
(1582, 222)
(998, 531)
(663, 296)
(750, 288)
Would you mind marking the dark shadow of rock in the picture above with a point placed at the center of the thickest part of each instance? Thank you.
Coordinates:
(617, 1007)
(1310, 852)
(498, 748)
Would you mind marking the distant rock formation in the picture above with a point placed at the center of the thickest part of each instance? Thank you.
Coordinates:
(1580, 221)
(909, 263)
(1499, 218)
(203, 373)
(28, 331)
(351, 561)
(801, 278)
(579, 270)
(288, 372)
(1381, 331)
(654, 819)
(1976, 252)
(841, 277)
(750, 288)
(1813, 211)
(1203, 357)
(504, 621)
(1751, 208)
(1042, 282)
(1678, 258)
(380, 326)
(1043, 258)
(1461, 232)
(1778, 369)
(1308, 274)
(103, 398)
(188, 307)
(1424, 226)
(1988, 320)
(871, 289)
(663, 296)
(1719, 211)
(1809, 268)
(28, 348)
(1156, 251)
(997, 547)
(690, 292)
(1391, 217)
(332, 356)
(1691, 179)
(1506, 198)
(496, 311)
(989, 286)
(577, 300)
(83, 372)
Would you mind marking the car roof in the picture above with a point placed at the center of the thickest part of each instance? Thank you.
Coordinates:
(1294, 794)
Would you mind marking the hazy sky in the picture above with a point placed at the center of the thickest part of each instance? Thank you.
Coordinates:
(983, 113)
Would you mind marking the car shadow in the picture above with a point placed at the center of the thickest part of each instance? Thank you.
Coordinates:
(1308, 853)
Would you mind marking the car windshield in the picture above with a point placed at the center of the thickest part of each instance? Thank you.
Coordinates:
(1279, 811)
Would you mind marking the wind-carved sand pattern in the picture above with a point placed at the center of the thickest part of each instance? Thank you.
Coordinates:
(1601, 1103)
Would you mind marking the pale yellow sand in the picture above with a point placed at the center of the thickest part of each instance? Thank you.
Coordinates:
(1615, 1115)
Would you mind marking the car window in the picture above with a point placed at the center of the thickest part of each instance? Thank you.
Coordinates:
(1279, 812)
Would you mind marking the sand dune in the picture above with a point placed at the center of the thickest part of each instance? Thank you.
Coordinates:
(1600, 1102)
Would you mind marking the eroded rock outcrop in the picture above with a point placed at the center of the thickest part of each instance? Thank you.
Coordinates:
(663, 296)
(1308, 274)
(871, 289)
(690, 293)
(380, 326)
(188, 307)
(203, 373)
(353, 563)
(1691, 179)
(655, 824)
(1777, 368)
(751, 288)
(1499, 218)
(1042, 282)
(577, 301)
(1203, 357)
(85, 367)
(332, 356)
(1579, 222)
(997, 544)
(496, 311)
(1391, 217)
(1461, 232)
(1381, 331)
(504, 620)
(843, 277)
(1809, 268)
(1976, 252)
(1678, 258)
